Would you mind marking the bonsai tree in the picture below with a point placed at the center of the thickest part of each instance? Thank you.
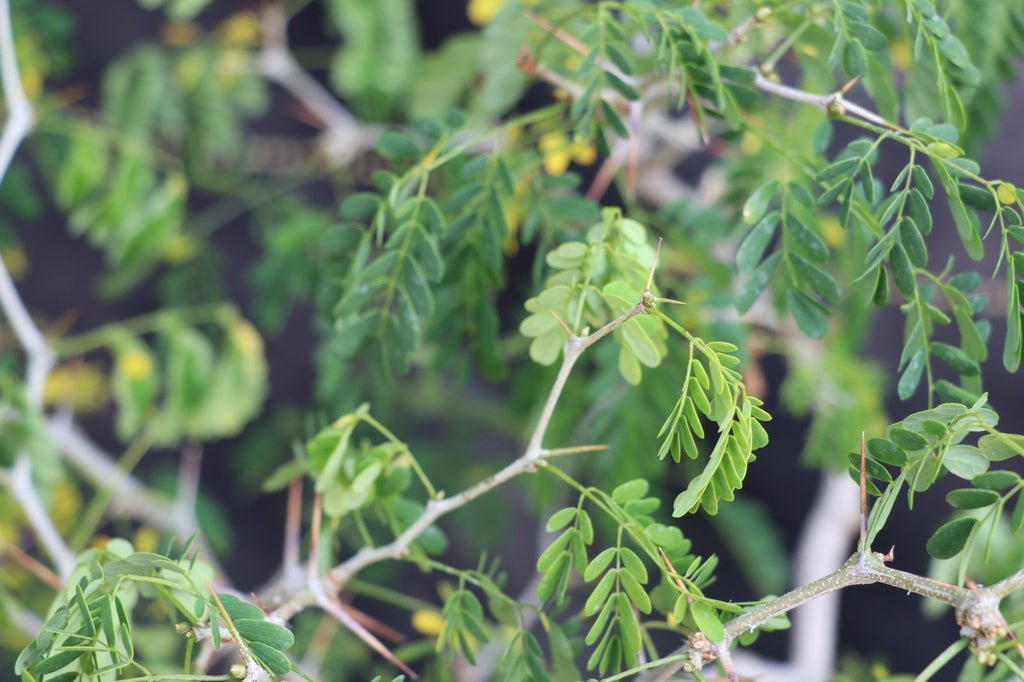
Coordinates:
(546, 261)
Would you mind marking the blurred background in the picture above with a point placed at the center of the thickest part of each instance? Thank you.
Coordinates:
(63, 280)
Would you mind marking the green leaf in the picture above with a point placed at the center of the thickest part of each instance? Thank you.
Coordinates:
(996, 480)
(261, 630)
(819, 280)
(561, 519)
(886, 451)
(757, 204)
(966, 227)
(599, 564)
(810, 316)
(1002, 446)
(755, 283)
(754, 244)
(954, 357)
(907, 439)
(707, 621)
(965, 461)
(950, 538)
(911, 376)
(902, 272)
(971, 498)
(630, 490)
(913, 243)
(270, 658)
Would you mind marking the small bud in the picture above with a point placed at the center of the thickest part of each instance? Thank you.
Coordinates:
(762, 14)
(183, 629)
(1006, 193)
(237, 671)
(835, 108)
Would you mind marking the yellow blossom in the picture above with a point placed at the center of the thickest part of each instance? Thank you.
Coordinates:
(246, 339)
(241, 28)
(583, 153)
(146, 539)
(750, 143)
(79, 385)
(427, 622)
(555, 149)
(180, 248)
(136, 364)
(833, 232)
(899, 51)
(481, 12)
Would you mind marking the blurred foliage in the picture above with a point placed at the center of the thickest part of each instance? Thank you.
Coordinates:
(492, 197)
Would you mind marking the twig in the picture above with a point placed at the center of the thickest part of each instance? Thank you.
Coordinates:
(291, 599)
(19, 482)
(34, 566)
(345, 136)
(292, 529)
(129, 496)
(187, 493)
(860, 569)
(834, 104)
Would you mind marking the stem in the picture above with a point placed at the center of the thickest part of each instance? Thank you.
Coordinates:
(143, 324)
(293, 599)
(860, 569)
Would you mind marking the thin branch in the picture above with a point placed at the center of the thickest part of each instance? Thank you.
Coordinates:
(290, 599)
(346, 137)
(292, 530)
(187, 493)
(34, 566)
(860, 569)
(834, 104)
(19, 482)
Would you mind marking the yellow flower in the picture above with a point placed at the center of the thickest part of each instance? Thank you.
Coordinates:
(750, 143)
(583, 153)
(180, 248)
(555, 149)
(146, 539)
(78, 385)
(833, 232)
(427, 622)
(900, 54)
(241, 28)
(246, 339)
(481, 12)
(136, 364)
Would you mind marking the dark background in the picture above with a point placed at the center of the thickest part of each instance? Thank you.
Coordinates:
(878, 619)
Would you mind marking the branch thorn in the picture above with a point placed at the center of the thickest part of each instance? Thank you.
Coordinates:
(654, 266)
(563, 324)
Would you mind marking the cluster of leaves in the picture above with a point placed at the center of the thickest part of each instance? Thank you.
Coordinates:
(737, 415)
(257, 638)
(596, 281)
(362, 478)
(809, 288)
(929, 444)
(620, 577)
(90, 629)
(200, 393)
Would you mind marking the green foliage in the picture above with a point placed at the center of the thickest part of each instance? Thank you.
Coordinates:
(419, 257)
